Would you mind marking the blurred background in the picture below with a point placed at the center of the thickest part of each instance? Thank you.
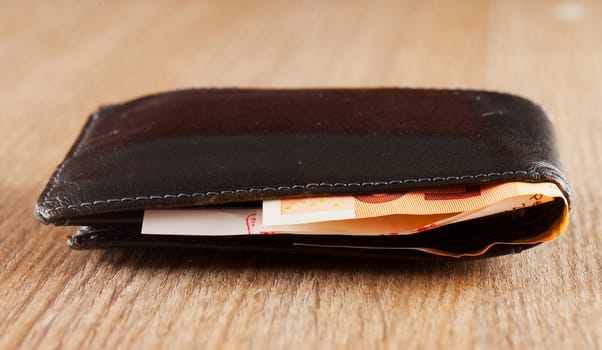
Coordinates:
(111, 50)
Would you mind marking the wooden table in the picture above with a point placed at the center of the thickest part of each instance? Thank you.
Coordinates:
(60, 61)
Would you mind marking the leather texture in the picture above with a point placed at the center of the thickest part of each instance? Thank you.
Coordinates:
(206, 146)
(215, 146)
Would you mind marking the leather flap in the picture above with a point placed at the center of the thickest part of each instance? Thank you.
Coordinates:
(208, 146)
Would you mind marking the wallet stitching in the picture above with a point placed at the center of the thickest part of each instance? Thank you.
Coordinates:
(281, 188)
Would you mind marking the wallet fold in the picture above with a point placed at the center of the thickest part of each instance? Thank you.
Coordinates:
(219, 147)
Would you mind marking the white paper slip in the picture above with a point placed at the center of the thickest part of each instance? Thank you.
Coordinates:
(223, 222)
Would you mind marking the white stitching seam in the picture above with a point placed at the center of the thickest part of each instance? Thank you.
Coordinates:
(278, 189)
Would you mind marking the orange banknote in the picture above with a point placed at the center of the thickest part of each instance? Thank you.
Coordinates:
(403, 213)
(437, 201)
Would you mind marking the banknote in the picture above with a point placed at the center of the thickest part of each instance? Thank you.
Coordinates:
(230, 222)
(447, 200)
(221, 221)
(375, 215)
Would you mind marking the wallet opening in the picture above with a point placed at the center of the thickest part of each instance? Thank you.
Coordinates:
(467, 238)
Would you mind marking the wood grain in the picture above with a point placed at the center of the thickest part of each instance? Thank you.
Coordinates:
(60, 60)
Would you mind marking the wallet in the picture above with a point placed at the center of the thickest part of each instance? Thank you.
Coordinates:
(234, 148)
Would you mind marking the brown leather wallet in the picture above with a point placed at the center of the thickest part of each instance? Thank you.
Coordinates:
(205, 148)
